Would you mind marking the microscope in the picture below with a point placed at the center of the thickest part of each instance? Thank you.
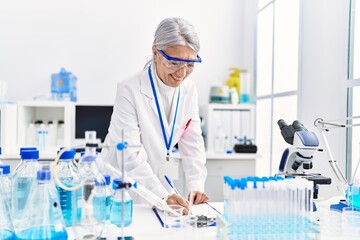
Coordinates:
(297, 160)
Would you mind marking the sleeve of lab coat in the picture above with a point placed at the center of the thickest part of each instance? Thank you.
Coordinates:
(192, 149)
(135, 159)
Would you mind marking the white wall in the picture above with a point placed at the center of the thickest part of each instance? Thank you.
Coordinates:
(323, 75)
(103, 42)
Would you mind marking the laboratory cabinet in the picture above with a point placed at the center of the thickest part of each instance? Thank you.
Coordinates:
(47, 125)
(235, 165)
(227, 125)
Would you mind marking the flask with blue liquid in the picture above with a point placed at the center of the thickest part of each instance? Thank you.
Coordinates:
(43, 218)
(108, 196)
(68, 175)
(121, 196)
(90, 223)
(6, 225)
(23, 179)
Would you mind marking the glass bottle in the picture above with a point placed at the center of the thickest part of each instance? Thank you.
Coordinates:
(120, 196)
(68, 175)
(6, 226)
(89, 225)
(43, 218)
(23, 179)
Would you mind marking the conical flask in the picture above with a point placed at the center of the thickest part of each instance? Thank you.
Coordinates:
(6, 226)
(43, 218)
(90, 224)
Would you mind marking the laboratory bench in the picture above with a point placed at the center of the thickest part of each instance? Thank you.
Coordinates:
(146, 225)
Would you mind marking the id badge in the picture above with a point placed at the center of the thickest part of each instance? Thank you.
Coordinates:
(170, 169)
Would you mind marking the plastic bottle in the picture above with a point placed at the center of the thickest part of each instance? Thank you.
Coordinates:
(6, 226)
(116, 207)
(5, 183)
(68, 175)
(24, 177)
(88, 226)
(43, 218)
(234, 79)
(245, 87)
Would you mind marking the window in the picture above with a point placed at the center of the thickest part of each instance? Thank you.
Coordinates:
(353, 140)
(277, 59)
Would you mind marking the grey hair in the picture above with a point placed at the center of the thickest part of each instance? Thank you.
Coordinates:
(174, 32)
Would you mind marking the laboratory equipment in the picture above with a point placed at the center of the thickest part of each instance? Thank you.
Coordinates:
(5, 184)
(91, 221)
(116, 207)
(43, 218)
(64, 86)
(297, 160)
(108, 198)
(345, 185)
(23, 179)
(69, 176)
(267, 208)
(6, 225)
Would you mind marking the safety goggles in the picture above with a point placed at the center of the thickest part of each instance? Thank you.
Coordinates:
(178, 63)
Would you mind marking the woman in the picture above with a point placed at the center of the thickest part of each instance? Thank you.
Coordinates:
(158, 108)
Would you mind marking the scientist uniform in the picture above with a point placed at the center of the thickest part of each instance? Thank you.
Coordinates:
(139, 101)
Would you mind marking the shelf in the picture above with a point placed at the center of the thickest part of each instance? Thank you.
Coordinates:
(220, 156)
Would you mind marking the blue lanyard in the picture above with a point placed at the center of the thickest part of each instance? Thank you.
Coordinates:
(167, 144)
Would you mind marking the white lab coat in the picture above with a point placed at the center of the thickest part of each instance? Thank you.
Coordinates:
(135, 111)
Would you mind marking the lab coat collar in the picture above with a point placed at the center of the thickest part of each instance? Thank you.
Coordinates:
(147, 91)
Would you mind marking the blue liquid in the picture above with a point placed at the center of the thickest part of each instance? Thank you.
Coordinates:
(7, 235)
(115, 214)
(67, 204)
(42, 233)
(244, 98)
(107, 206)
(99, 207)
(22, 191)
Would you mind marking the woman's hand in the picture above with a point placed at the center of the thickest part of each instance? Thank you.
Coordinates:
(198, 197)
(176, 199)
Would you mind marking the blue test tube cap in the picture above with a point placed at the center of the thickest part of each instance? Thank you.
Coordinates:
(29, 154)
(107, 179)
(67, 155)
(43, 174)
(5, 168)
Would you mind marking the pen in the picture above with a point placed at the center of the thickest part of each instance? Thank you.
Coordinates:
(158, 216)
(185, 127)
(213, 208)
(171, 185)
(187, 124)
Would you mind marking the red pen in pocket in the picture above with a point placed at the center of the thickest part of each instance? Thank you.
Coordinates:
(185, 127)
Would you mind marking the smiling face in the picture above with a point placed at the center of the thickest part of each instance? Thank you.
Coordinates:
(173, 76)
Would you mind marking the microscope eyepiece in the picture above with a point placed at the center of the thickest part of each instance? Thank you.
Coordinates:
(298, 126)
(281, 124)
